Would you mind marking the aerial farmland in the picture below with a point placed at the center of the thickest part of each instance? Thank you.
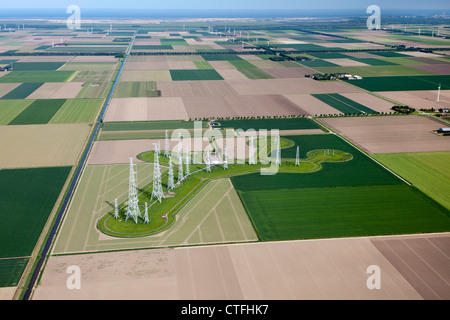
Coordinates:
(224, 159)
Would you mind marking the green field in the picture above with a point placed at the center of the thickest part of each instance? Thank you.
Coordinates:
(174, 42)
(202, 65)
(242, 64)
(255, 73)
(152, 47)
(318, 63)
(39, 112)
(11, 270)
(149, 125)
(77, 111)
(352, 198)
(427, 171)
(281, 124)
(220, 57)
(89, 66)
(343, 104)
(22, 91)
(94, 90)
(390, 54)
(38, 76)
(376, 71)
(194, 75)
(27, 197)
(29, 66)
(402, 83)
(128, 89)
(343, 212)
(9, 109)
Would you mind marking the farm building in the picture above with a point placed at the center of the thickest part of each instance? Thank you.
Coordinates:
(444, 130)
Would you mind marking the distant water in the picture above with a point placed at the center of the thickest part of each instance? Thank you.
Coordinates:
(55, 13)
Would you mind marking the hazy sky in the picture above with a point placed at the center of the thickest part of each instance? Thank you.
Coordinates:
(231, 4)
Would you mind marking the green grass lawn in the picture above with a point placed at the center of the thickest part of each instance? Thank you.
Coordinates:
(428, 171)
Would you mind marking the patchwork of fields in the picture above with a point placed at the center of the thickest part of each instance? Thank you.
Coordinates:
(393, 181)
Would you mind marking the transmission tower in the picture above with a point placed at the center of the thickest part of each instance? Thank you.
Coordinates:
(188, 162)
(297, 157)
(157, 186)
(208, 161)
(166, 146)
(278, 152)
(252, 152)
(132, 211)
(170, 182)
(225, 157)
(146, 220)
(116, 209)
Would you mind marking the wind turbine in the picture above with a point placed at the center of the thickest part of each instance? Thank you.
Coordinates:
(439, 92)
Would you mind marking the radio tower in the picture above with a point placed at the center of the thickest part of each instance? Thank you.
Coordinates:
(157, 186)
(132, 204)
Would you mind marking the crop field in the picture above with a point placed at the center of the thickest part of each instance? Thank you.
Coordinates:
(220, 232)
(391, 134)
(11, 270)
(77, 111)
(33, 66)
(30, 212)
(425, 170)
(42, 145)
(343, 212)
(9, 109)
(195, 75)
(349, 193)
(22, 91)
(254, 73)
(39, 112)
(401, 83)
(281, 124)
(136, 89)
(38, 76)
(343, 104)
